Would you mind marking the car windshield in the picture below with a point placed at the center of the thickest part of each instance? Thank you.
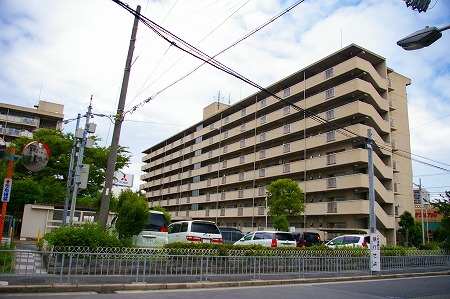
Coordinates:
(202, 227)
(284, 237)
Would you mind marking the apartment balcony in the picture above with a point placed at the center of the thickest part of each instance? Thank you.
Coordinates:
(353, 207)
(357, 182)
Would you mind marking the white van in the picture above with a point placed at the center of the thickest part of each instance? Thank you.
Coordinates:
(194, 231)
(154, 233)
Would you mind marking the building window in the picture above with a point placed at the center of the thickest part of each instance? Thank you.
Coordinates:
(286, 110)
(263, 103)
(225, 134)
(209, 168)
(181, 140)
(208, 182)
(243, 111)
(211, 140)
(262, 172)
(190, 173)
(190, 160)
(242, 159)
(224, 164)
(286, 148)
(287, 92)
(329, 93)
(287, 129)
(222, 196)
(331, 159)
(331, 182)
(240, 193)
(226, 120)
(197, 165)
(286, 167)
(241, 176)
(262, 154)
(208, 197)
(196, 179)
(242, 143)
(199, 127)
(195, 192)
(191, 148)
(262, 136)
(329, 73)
(210, 154)
(192, 135)
(198, 152)
(329, 114)
(242, 127)
(198, 139)
(224, 180)
(261, 191)
(262, 120)
(331, 136)
(225, 149)
(211, 127)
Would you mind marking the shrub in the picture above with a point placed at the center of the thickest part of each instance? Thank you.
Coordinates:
(89, 234)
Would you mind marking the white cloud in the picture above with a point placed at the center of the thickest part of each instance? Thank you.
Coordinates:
(76, 49)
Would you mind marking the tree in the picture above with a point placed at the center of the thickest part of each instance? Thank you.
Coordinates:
(284, 199)
(132, 214)
(442, 232)
(50, 182)
(410, 229)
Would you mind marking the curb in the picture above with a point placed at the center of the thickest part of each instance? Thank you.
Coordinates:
(109, 288)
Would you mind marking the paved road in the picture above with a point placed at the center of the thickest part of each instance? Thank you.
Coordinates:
(432, 287)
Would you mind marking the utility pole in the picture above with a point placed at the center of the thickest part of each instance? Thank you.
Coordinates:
(111, 166)
(70, 175)
(375, 259)
(76, 183)
(421, 210)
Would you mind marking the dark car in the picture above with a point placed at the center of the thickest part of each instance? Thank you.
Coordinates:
(230, 234)
(306, 239)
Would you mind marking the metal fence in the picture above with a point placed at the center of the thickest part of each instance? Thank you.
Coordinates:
(64, 267)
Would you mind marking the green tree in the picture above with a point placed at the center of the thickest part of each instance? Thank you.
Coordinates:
(410, 229)
(442, 232)
(132, 214)
(51, 181)
(284, 199)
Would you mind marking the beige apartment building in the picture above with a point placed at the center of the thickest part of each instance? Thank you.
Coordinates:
(18, 121)
(311, 127)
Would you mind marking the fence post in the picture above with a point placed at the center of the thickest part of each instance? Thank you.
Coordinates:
(201, 268)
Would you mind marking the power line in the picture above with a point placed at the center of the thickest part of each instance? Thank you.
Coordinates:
(189, 49)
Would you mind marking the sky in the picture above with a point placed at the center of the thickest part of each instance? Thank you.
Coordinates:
(66, 51)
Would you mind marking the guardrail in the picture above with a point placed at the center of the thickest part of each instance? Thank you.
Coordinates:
(142, 267)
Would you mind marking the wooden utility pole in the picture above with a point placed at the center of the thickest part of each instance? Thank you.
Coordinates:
(111, 166)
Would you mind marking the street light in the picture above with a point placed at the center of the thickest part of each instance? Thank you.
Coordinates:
(421, 38)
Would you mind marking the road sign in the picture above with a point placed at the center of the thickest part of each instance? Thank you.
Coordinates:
(375, 257)
(6, 190)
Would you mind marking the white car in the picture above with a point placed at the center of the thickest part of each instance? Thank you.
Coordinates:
(154, 233)
(349, 241)
(194, 231)
(268, 238)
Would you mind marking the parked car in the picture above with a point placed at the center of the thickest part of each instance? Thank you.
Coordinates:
(154, 233)
(349, 240)
(268, 238)
(193, 231)
(306, 239)
(230, 234)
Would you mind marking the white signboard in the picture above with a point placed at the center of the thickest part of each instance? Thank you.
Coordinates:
(375, 256)
(123, 179)
(6, 190)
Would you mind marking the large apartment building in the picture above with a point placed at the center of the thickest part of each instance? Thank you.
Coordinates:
(18, 121)
(311, 127)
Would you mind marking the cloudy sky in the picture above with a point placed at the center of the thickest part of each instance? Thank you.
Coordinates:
(67, 50)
